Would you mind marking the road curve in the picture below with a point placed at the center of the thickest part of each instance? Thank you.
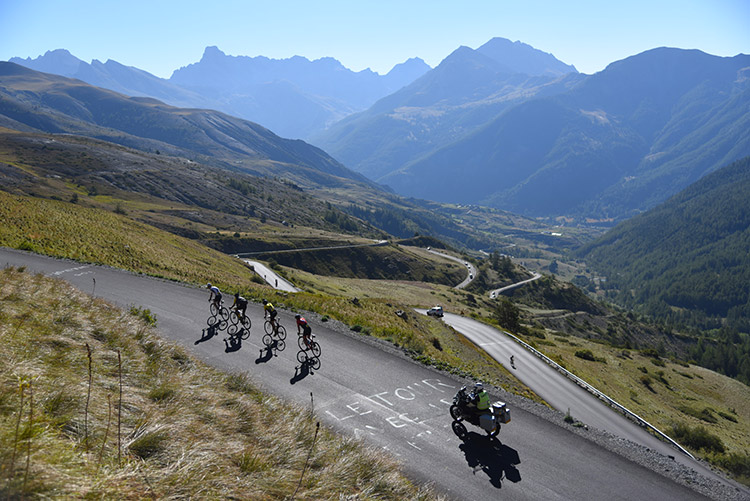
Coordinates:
(470, 268)
(497, 292)
(369, 390)
(560, 392)
(271, 277)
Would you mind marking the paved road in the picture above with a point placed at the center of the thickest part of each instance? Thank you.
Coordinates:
(471, 271)
(367, 390)
(497, 292)
(271, 277)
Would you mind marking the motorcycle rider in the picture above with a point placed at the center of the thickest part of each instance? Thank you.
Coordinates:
(480, 398)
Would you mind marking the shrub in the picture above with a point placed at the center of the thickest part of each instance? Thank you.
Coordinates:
(144, 314)
(647, 381)
(697, 438)
(436, 343)
(704, 415)
(586, 355)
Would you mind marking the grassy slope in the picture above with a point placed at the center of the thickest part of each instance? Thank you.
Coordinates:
(87, 234)
(186, 430)
(676, 394)
(97, 236)
(426, 339)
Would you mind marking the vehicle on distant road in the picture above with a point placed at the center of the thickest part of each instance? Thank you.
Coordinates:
(435, 311)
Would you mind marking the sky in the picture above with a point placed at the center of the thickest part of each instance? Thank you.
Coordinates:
(160, 36)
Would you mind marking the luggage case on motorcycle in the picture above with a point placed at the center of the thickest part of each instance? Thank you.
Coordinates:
(486, 422)
(501, 411)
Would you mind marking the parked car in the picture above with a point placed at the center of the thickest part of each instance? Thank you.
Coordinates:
(435, 311)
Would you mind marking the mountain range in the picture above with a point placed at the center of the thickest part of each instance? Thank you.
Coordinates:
(32, 101)
(294, 97)
(467, 89)
(230, 165)
(607, 145)
(504, 125)
(686, 262)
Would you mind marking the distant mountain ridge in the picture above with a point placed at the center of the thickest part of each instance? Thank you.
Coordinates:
(40, 102)
(608, 145)
(466, 90)
(293, 97)
(687, 258)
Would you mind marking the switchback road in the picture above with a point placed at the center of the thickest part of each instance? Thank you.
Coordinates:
(368, 389)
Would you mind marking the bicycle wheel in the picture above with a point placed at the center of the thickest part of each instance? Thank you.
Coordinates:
(302, 357)
(212, 321)
(281, 332)
(213, 309)
(267, 340)
(244, 333)
(314, 363)
(246, 322)
(301, 343)
(233, 329)
(224, 314)
(280, 345)
(315, 349)
(267, 327)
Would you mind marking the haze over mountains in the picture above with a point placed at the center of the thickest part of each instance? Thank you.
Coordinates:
(607, 145)
(294, 97)
(40, 102)
(504, 125)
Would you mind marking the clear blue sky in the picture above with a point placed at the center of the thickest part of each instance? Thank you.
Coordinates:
(160, 36)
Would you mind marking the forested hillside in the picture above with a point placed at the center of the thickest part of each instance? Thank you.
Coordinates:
(688, 262)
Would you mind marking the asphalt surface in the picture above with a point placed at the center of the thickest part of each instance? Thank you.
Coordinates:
(271, 277)
(471, 270)
(369, 390)
(559, 391)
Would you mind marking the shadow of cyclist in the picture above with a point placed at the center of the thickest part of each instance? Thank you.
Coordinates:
(489, 455)
(266, 354)
(301, 372)
(208, 333)
(232, 343)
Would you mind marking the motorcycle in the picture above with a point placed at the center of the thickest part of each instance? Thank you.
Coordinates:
(490, 420)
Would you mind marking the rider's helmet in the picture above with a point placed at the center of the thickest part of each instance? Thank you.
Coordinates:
(478, 386)
(208, 286)
(297, 316)
(265, 302)
(236, 294)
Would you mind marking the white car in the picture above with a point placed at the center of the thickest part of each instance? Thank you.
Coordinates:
(435, 311)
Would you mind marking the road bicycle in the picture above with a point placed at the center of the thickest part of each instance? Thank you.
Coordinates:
(280, 330)
(306, 357)
(271, 341)
(219, 311)
(309, 345)
(219, 316)
(239, 325)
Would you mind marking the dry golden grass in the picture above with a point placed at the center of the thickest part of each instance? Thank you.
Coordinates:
(185, 430)
(673, 390)
(85, 234)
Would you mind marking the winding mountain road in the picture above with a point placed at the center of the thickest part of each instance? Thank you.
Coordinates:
(559, 391)
(367, 389)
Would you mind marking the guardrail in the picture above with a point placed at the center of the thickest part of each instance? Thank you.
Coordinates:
(601, 396)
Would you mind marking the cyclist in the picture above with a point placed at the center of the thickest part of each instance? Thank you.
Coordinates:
(215, 295)
(304, 329)
(270, 311)
(239, 305)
